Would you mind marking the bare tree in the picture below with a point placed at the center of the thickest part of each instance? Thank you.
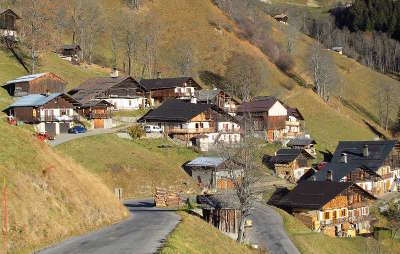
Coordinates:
(384, 100)
(129, 39)
(186, 59)
(241, 161)
(292, 34)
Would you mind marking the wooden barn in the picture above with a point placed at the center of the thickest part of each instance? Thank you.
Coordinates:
(52, 113)
(98, 113)
(222, 211)
(162, 89)
(8, 20)
(70, 50)
(219, 98)
(336, 209)
(307, 144)
(42, 83)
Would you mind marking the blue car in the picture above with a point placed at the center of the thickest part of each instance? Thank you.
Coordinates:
(77, 129)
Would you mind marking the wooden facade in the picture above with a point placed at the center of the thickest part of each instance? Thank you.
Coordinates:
(44, 84)
(8, 20)
(225, 219)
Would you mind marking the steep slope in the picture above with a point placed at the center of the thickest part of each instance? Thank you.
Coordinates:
(49, 197)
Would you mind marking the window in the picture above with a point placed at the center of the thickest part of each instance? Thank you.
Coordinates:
(201, 125)
(181, 126)
(197, 125)
(326, 216)
(343, 213)
(63, 112)
(334, 213)
(130, 102)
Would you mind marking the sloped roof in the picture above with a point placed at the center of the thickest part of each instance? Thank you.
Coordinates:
(26, 78)
(93, 87)
(288, 155)
(36, 100)
(227, 199)
(9, 10)
(378, 152)
(314, 194)
(164, 83)
(258, 104)
(294, 112)
(301, 142)
(94, 103)
(207, 95)
(175, 110)
(70, 46)
(206, 162)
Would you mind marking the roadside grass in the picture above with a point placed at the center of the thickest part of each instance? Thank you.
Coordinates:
(309, 242)
(130, 113)
(136, 166)
(195, 236)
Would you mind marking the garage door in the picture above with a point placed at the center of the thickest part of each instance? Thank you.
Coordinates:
(98, 123)
(51, 129)
(64, 127)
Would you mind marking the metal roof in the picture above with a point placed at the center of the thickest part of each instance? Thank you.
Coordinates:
(206, 162)
(34, 100)
(26, 78)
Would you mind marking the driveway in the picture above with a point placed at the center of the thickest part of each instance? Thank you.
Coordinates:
(66, 137)
(268, 231)
(145, 232)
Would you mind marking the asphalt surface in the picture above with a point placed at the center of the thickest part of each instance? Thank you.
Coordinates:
(268, 231)
(145, 232)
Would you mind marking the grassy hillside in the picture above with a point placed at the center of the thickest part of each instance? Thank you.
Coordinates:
(136, 166)
(194, 236)
(49, 197)
(309, 242)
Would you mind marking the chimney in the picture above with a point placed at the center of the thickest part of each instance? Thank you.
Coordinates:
(343, 157)
(114, 73)
(329, 176)
(365, 151)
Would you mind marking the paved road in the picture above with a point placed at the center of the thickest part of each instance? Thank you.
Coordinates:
(269, 232)
(145, 232)
(66, 137)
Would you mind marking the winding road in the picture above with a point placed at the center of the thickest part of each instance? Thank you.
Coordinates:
(145, 232)
(269, 232)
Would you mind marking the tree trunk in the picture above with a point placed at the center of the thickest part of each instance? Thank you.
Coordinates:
(240, 238)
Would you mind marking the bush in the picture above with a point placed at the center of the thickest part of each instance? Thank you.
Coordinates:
(136, 132)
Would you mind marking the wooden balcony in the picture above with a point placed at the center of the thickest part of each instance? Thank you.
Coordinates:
(387, 176)
(190, 131)
(289, 123)
(334, 221)
(53, 118)
(99, 115)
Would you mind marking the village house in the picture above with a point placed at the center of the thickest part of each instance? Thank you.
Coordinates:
(282, 18)
(218, 98)
(291, 164)
(186, 121)
(222, 211)
(122, 92)
(334, 208)
(162, 89)
(52, 113)
(41, 83)
(307, 144)
(373, 165)
(98, 113)
(212, 173)
(8, 20)
(70, 50)
(272, 119)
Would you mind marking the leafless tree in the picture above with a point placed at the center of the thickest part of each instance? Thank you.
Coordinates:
(186, 59)
(384, 100)
(241, 161)
(292, 34)
(129, 39)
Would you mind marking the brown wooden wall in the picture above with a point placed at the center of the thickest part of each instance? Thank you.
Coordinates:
(7, 21)
(48, 83)
(58, 102)
(24, 114)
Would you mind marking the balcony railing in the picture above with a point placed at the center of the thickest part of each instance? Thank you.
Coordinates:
(184, 94)
(386, 176)
(334, 221)
(190, 131)
(99, 115)
(53, 118)
(289, 123)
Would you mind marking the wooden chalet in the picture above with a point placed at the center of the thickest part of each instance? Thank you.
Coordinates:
(218, 98)
(334, 208)
(373, 165)
(186, 121)
(222, 211)
(42, 83)
(8, 20)
(272, 119)
(307, 144)
(282, 18)
(162, 89)
(122, 92)
(291, 164)
(212, 174)
(52, 113)
(98, 113)
(70, 50)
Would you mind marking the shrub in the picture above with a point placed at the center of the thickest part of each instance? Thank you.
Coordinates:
(136, 132)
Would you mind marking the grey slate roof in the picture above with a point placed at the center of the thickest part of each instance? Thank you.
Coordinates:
(70, 46)
(313, 195)
(301, 142)
(175, 110)
(206, 162)
(207, 95)
(258, 104)
(226, 199)
(165, 83)
(378, 152)
(13, 12)
(288, 155)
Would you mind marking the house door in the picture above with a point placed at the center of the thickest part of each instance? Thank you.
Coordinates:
(98, 123)
(64, 127)
(51, 129)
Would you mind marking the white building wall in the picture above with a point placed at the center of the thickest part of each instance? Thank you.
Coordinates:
(277, 110)
(127, 103)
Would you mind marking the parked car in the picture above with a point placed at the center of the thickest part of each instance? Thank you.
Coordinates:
(77, 129)
(153, 129)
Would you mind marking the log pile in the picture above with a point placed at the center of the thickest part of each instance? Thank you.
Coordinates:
(165, 198)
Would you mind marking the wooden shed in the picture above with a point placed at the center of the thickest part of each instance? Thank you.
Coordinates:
(41, 83)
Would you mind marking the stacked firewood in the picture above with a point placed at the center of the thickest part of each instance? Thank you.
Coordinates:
(165, 198)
